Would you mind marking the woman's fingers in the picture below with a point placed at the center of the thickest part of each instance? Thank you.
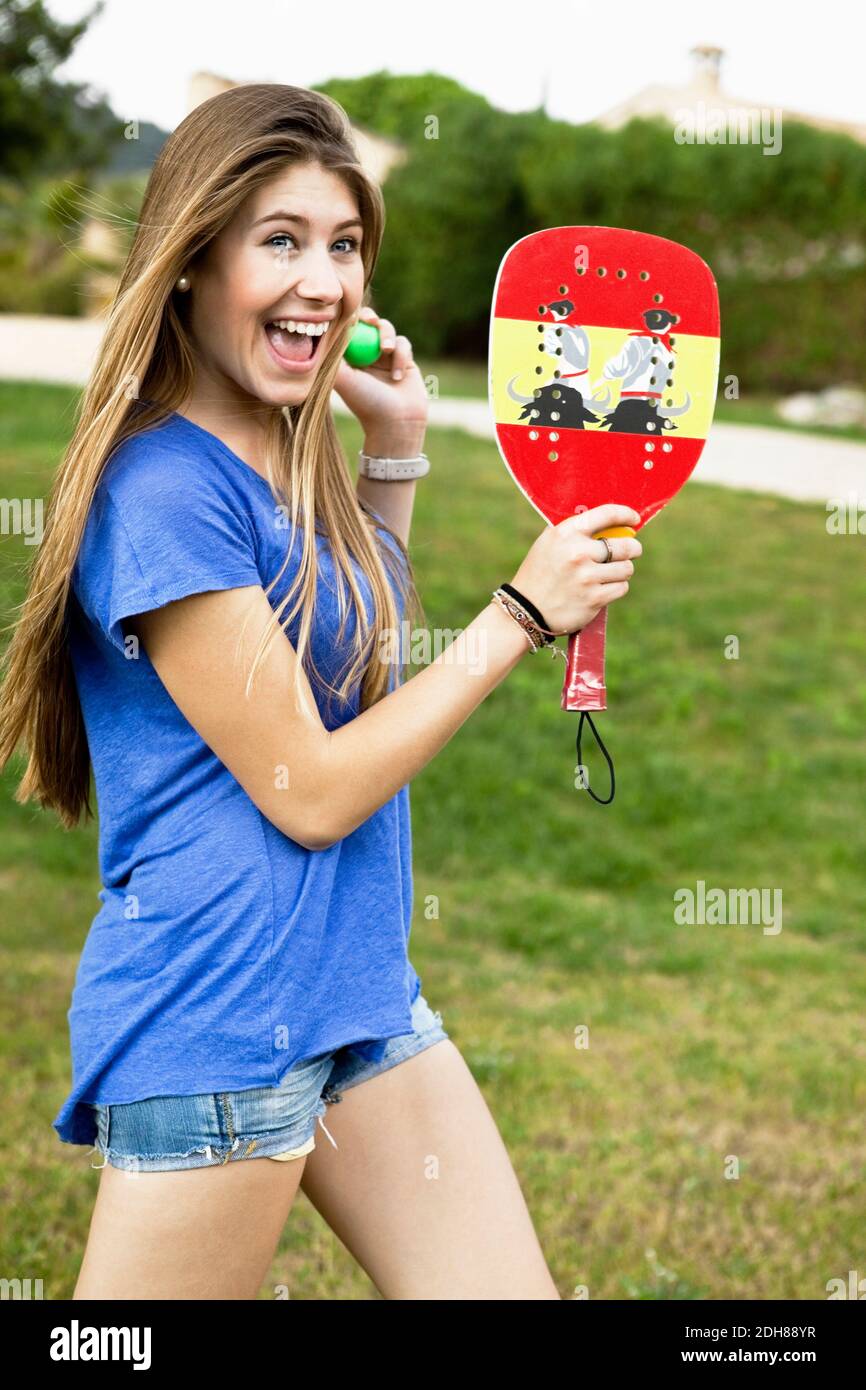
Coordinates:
(390, 342)
(607, 593)
(622, 548)
(402, 356)
(600, 518)
(614, 571)
(387, 335)
(399, 347)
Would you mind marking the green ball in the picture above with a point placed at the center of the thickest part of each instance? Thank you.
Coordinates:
(363, 348)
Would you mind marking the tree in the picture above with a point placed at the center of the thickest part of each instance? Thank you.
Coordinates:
(453, 207)
(47, 127)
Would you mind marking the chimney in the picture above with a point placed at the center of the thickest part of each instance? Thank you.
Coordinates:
(707, 60)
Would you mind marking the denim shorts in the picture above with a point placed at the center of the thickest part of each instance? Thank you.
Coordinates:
(164, 1133)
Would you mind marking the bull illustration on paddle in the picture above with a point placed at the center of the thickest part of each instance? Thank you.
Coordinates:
(644, 364)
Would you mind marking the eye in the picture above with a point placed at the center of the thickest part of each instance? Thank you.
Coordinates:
(283, 237)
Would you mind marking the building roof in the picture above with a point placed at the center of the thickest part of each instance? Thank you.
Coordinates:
(704, 87)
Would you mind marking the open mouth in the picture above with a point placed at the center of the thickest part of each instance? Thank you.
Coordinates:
(293, 345)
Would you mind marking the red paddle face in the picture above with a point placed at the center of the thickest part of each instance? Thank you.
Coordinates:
(604, 357)
(604, 361)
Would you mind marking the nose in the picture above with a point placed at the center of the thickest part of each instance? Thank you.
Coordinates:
(318, 277)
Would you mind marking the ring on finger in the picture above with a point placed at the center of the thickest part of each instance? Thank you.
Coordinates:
(609, 548)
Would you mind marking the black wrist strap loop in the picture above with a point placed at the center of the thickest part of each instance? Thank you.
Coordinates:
(585, 714)
(530, 608)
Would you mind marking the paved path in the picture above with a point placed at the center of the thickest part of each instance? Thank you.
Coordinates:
(789, 463)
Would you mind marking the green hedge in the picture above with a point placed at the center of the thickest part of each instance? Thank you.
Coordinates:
(782, 233)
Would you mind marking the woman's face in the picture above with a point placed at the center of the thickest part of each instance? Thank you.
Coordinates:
(292, 256)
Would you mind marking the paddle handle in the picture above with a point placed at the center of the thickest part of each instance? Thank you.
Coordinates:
(584, 686)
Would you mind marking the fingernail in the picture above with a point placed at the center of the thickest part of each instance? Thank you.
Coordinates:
(398, 375)
(389, 343)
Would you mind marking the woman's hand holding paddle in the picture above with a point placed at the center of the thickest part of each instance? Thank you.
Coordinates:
(566, 573)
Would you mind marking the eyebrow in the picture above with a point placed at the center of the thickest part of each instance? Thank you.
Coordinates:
(305, 221)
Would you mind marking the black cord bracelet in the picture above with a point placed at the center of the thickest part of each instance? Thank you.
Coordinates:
(532, 611)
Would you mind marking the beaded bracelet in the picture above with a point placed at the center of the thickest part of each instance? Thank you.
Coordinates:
(536, 635)
(540, 620)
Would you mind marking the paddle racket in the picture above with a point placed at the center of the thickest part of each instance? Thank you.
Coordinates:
(602, 376)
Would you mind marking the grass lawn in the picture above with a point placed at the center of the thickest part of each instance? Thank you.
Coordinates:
(712, 1048)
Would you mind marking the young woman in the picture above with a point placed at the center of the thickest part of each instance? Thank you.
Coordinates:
(251, 755)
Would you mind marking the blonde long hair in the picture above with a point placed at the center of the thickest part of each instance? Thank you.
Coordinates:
(224, 149)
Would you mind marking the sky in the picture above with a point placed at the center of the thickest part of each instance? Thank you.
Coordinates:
(588, 58)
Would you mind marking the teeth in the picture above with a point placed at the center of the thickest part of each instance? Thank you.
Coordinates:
(314, 330)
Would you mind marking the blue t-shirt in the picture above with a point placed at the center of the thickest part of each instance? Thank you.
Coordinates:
(224, 952)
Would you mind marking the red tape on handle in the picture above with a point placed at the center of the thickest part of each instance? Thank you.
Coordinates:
(584, 674)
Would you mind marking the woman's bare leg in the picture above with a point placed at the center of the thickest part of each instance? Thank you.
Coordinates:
(420, 1188)
(198, 1233)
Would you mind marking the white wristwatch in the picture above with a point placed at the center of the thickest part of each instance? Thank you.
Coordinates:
(386, 470)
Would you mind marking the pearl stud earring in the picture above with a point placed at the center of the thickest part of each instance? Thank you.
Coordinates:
(183, 282)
